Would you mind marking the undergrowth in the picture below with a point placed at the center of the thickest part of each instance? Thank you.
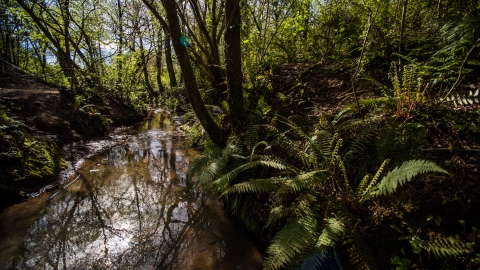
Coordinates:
(380, 188)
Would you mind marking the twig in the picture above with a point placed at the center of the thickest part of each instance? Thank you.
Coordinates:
(460, 73)
(361, 55)
(65, 187)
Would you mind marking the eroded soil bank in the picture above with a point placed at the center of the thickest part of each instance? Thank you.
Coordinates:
(39, 121)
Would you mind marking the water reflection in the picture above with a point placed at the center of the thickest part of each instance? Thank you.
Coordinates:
(131, 208)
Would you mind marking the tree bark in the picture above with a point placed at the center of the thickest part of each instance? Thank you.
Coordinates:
(402, 31)
(144, 62)
(169, 62)
(233, 63)
(213, 130)
(158, 63)
(121, 35)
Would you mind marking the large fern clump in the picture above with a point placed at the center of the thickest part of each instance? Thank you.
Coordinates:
(303, 174)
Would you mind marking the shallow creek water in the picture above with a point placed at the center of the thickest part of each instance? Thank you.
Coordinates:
(130, 207)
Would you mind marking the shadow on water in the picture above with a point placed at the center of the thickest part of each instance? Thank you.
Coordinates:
(128, 208)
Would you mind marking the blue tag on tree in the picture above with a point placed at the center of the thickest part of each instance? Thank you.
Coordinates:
(184, 41)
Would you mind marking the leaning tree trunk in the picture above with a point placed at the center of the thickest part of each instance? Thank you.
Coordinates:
(213, 130)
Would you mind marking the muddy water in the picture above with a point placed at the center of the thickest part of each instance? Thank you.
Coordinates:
(130, 207)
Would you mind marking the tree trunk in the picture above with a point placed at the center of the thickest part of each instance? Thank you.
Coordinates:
(402, 31)
(233, 64)
(144, 62)
(121, 34)
(158, 63)
(213, 130)
(169, 62)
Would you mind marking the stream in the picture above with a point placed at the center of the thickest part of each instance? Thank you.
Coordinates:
(129, 207)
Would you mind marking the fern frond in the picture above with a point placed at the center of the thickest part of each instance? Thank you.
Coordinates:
(323, 139)
(362, 186)
(201, 162)
(361, 141)
(264, 143)
(364, 103)
(322, 260)
(374, 179)
(301, 181)
(400, 175)
(288, 243)
(332, 233)
(212, 171)
(343, 113)
(223, 182)
(466, 100)
(386, 91)
(251, 135)
(302, 206)
(285, 144)
(256, 185)
(337, 147)
(445, 247)
(348, 188)
(360, 255)
(276, 214)
(311, 145)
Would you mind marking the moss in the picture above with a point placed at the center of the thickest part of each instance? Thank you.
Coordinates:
(42, 159)
(27, 162)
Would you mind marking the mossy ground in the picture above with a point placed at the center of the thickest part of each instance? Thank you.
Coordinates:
(27, 161)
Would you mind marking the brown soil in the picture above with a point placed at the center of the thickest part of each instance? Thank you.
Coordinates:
(42, 107)
(33, 101)
(47, 111)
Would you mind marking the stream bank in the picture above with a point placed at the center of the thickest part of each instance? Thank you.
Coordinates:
(39, 119)
(129, 206)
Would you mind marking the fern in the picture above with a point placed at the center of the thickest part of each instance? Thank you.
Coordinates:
(323, 260)
(222, 183)
(304, 205)
(445, 247)
(400, 175)
(288, 243)
(332, 233)
(360, 142)
(257, 185)
(324, 141)
(251, 135)
(360, 255)
(364, 191)
(362, 186)
(470, 99)
(286, 144)
(314, 153)
(300, 182)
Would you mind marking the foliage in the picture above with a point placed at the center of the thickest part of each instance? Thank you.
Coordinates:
(400, 175)
(298, 179)
(467, 100)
